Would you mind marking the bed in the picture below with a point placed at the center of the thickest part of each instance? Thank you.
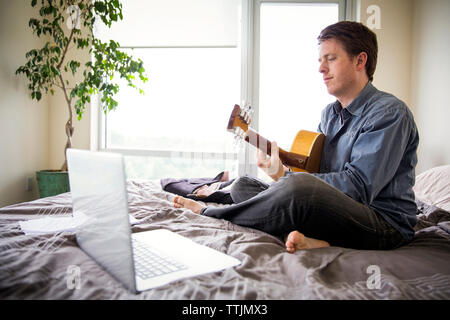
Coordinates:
(39, 266)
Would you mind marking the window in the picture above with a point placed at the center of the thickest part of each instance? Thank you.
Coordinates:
(188, 96)
(291, 91)
(178, 128)
(192, 55)
(182, 117)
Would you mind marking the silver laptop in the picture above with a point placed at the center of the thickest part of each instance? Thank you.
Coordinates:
(140, 261)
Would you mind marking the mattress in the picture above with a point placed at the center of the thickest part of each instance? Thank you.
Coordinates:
(43, 266)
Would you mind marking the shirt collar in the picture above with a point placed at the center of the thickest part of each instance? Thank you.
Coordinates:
(356, 106)
(337, 107)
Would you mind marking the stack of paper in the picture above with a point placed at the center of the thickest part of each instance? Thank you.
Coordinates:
(56, 224)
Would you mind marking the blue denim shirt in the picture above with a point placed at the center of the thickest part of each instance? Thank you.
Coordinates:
(370, 154)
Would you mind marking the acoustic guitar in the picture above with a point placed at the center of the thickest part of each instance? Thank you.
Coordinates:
(306, 150)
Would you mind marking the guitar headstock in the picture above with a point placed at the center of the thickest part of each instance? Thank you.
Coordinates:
(240, 120)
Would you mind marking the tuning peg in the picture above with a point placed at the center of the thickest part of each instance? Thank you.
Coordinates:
(242, 114)
(249, 114)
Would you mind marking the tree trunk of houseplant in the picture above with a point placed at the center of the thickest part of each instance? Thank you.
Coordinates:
(69, 133)
(54, 182)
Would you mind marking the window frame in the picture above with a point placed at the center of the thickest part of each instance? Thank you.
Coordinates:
(250, 44)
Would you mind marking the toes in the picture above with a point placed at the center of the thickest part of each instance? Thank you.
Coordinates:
(295, 241)
(177, 202)
(290, 248)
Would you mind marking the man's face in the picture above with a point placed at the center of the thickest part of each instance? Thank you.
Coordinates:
(339, 70)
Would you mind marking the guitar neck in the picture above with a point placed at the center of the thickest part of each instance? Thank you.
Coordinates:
(287, 158)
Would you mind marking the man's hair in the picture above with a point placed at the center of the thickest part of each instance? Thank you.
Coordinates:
(356, 38)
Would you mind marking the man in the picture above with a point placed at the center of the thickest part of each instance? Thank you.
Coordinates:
(362, 197)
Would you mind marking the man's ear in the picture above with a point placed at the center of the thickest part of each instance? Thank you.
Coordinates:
(361, 60)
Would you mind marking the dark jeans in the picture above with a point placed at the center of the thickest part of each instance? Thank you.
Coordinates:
(307, 204)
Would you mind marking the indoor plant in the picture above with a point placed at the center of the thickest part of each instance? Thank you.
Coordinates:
(69, 25)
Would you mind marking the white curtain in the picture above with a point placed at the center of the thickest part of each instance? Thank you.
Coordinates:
(175, 23)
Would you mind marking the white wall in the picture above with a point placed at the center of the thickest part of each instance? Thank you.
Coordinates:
(430, 80)
(414, 65)
(393, 71)
(24, 143)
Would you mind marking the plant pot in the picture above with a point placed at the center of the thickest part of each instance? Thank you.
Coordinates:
(52, 182)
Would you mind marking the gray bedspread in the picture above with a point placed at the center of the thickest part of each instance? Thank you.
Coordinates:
(40, 266)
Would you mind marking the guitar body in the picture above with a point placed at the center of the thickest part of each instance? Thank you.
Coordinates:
(306, 150)
(310, 144)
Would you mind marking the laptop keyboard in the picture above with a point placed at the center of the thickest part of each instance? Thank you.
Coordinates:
(149, 263)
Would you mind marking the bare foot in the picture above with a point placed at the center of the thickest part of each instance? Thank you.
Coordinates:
(225, 177)
(297, 241)
(194, 206)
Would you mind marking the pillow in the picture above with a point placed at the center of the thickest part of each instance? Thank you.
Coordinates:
(433, 187)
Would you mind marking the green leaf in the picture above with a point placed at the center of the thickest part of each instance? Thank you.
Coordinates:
(48, 10)
(54, 70)
(73, 66)
(113, 45)
(99, 6)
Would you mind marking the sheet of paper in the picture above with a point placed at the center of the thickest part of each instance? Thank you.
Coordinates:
(57, 224)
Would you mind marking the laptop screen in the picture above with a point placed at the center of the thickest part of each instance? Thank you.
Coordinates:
(98, 187)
